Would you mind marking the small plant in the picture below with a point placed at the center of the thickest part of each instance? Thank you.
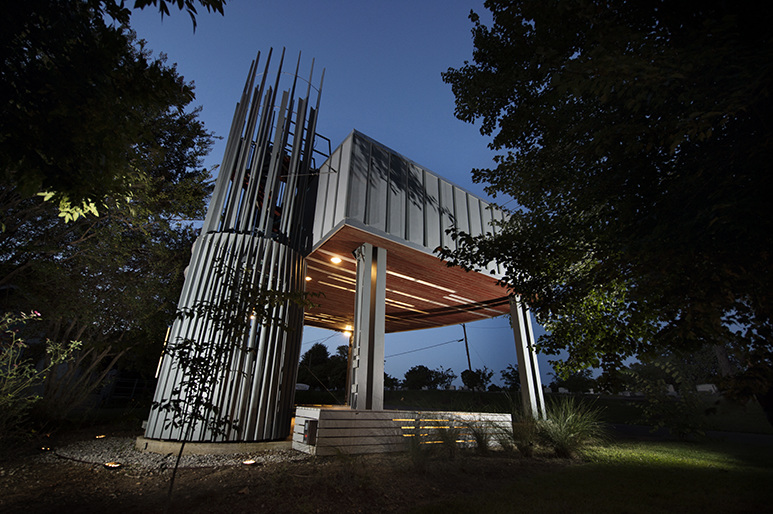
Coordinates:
(75, 379)
(348, 465)
(505, 440)
(449, 437)
(570, 427)
(480, 430)
(19, 376)
(524, 434)
(415, 449)
(521, 435)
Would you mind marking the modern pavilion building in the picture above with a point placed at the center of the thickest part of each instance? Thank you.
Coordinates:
(359, 229)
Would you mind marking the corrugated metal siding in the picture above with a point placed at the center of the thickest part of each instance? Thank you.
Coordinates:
(374, 187)
(253, 367)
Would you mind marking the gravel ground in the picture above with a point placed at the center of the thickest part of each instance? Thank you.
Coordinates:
(122, 450)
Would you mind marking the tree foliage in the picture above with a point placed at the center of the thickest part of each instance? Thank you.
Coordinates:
(19, 375)
(421, 377)
(117, 8)
(78, 92)
(477, 380)
(319, 369)
(511, 378)
(110, 281)
(119, 271)
(390, 383)
(442, 378)
(634, 137)
(681, 408)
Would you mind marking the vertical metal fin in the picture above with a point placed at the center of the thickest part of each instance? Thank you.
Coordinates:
(251, 240)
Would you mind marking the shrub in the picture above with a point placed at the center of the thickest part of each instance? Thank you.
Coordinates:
(570, 426)
(682, 413)
(18, 376)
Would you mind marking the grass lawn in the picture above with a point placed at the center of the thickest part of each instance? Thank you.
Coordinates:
(640, 477)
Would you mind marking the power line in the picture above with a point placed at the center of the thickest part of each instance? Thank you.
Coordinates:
(322, 340)
(473, 327)
(479, 356)
(424, 348)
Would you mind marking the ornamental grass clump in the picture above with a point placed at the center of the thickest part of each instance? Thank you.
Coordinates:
(570, 427)
(481, 432)
(524, 433)
(416, 449)
(449, 437)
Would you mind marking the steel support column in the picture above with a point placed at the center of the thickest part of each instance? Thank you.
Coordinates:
(367, 360)
(528, 367)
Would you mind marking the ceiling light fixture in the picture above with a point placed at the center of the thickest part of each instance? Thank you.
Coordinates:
(335, 260)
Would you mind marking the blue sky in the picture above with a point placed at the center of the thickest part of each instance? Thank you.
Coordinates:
(383, 62)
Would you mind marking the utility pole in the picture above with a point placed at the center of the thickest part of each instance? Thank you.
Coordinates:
(467, 347)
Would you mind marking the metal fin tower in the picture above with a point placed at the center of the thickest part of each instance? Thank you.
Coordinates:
(253, 241)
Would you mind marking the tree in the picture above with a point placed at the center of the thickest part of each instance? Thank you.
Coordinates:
(420, 377)
(470, 379)
(391, 383)
(510, 378)
(111, 281)
(77, 92)
(312, 365)
(477, 380)
(201, 361)
(633, 137)
(119, 12)
(337, 366)
(320, 369)
(442, 378)
(694, 368)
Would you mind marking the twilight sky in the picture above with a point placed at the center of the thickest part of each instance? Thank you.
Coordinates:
(383, 62)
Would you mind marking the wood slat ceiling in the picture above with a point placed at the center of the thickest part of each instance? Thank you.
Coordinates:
(422, 292)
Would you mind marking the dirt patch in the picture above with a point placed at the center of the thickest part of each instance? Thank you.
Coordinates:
(369, 483)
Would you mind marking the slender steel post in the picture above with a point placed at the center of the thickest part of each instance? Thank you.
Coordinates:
(367, 388)
(528, 367)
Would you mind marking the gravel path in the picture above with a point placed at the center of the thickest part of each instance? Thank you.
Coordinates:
(122, 450)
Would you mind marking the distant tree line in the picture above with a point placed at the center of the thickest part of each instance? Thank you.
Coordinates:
(320, 370)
